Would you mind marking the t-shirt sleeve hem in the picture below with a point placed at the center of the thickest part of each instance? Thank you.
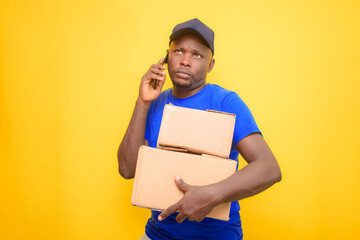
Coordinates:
(241, 137)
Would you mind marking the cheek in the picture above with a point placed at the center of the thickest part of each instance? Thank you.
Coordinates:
(202, 70)
(172, 63)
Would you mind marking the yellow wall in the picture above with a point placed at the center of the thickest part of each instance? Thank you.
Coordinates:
(69, 76)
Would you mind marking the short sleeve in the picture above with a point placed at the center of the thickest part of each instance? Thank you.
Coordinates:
(245, 123)
(147, 129)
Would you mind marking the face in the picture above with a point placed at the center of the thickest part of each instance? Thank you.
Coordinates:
(189, 62)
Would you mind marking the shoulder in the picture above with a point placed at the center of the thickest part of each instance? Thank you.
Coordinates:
(222, 97)
(218, 90)
(228, 101)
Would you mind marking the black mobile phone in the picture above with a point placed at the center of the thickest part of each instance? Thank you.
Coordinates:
(165, 62)
(166, 57)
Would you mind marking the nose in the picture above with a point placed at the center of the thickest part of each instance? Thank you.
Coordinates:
(185, 60)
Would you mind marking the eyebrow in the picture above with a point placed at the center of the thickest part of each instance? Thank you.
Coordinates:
(193, 50)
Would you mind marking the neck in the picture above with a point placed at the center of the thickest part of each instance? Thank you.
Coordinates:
(185, 93)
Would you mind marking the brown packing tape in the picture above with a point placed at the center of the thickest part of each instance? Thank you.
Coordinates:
(176, 149)
(214, 111)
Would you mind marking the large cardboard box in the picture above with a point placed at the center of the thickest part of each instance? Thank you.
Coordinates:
(196, 131)
(154, 185)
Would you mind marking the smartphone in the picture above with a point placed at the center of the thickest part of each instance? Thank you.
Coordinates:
(165, 62)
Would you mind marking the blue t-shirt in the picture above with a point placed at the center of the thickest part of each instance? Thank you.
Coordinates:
(212, 97)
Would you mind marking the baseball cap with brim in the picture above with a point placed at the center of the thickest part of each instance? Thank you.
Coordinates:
(196, 27)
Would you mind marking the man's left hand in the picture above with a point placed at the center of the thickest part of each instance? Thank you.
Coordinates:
(197, 202)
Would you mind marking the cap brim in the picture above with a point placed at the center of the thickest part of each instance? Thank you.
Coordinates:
(183, 31)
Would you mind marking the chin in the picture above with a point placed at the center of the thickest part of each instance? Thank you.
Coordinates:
(182, 85)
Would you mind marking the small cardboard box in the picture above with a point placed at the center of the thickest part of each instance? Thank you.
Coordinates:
(196, 131)
(154, 185)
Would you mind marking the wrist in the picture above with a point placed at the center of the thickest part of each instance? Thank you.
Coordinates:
(141, 103)
(215, 194)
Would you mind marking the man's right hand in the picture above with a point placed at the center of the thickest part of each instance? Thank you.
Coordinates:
(135, 133)
(147, 92)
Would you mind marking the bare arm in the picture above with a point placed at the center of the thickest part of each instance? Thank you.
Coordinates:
(135, 133)
(261, 172)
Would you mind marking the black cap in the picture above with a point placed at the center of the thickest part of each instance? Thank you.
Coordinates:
(197, 27)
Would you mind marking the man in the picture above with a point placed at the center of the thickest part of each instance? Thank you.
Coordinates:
(190, 58)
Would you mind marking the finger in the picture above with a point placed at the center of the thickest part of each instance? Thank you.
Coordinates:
(181, 184)
(158, 66)
(170, 210)
(161, 83)
(157, 71)
(161, 61)
(156, 77)
(180, 217)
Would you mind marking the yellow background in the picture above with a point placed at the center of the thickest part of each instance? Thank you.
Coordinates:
(69, 77)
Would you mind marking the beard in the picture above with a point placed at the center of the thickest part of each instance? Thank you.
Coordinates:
(178, 85)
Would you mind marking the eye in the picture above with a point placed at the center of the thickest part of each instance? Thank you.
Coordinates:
(178, 51)
(197, 55)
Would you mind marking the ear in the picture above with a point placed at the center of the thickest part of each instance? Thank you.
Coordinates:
(211, 64)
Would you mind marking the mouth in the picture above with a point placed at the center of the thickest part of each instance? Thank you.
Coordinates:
(182, 73)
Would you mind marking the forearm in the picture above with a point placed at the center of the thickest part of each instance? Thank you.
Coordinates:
(133, 139)
(198, 201)
(249, 181)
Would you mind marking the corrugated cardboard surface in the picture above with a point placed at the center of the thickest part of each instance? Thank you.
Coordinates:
(197, 131)
(154, 185)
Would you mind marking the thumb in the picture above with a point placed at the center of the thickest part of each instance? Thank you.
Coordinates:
(181, 184)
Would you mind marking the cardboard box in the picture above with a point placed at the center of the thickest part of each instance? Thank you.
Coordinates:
(197, 131)
(154, 185)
